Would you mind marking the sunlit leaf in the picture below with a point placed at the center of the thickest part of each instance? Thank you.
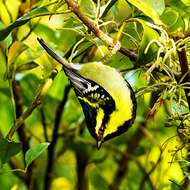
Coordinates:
(150, 8)
(29, 81)
(173, 20)
(27, 66)
(35, 152)
(88, 7)
(35, 12)
(120, 11)
(8, 40)
(13, 7)
(4, 14)
(107, 7)
(179, 6)
(21, 21)
(148, 35)
(15, 50)
(158, 6)
(8, 149)
(186, 2)
(6, 31)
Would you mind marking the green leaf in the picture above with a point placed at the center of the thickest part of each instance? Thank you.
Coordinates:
(29, 81)
(8, 40)
(15, 50)
(88, 7)
(170, 17)
(34, 152)
(107, 7)
(158, 6)
(6, 31)
(179, 6)
(21, 21)
(27, 66)
(173, 20)
(97, 181)
(5, 91)
(184, 13)
(148, 35)
(186, 2)
(35, 13)
(8, 149)
(118, 10)
(150, 8)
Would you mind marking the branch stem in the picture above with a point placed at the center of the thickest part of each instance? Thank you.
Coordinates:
(184, 71)
(73, 4)
(51, 148)
(35, 103)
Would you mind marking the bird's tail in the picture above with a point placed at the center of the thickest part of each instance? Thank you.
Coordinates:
(53, 53)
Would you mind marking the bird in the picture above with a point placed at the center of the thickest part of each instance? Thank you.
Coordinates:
(107, 99)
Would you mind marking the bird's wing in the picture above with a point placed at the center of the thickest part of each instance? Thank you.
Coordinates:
(90, 92)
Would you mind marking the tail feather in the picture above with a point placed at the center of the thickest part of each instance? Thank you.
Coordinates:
(53, 54)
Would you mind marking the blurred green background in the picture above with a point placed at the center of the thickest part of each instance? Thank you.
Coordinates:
(153, 154)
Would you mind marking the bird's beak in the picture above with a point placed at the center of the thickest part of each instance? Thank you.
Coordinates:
(99, 144)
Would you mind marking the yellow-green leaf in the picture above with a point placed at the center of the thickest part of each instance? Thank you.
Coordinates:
(34, 152)
(148, 34)
(8, 149)
(149, 8)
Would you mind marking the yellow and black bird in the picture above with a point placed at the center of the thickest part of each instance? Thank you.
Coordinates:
(107, 100)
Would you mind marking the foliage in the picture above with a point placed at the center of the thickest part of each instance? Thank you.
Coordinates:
(42, 126)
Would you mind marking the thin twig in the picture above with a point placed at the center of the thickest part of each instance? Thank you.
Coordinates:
(73, 5)
(43, 120)
(51, 148)
(15, 164)
(131, 145)
(35, 103)
(22, 134)
(184, 71)
(19, 111)
(123, 162)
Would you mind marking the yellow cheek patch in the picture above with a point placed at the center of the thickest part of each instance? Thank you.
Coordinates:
(99, 119)
(99, 116)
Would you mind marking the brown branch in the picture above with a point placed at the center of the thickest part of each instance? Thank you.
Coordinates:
(131, 146)
(123, 162)
(19, 111)
(146, 176)
(73, 5)
(35, 103)
(44, 125)
(14, 164)
(82, 161)
(184, 71)
(29, 180)
(51, 148)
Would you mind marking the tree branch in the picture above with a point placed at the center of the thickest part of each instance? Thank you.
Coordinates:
(73, 4)
(123, 162)
(14, 164)
(131, 146)
(19, 111)
(51, 148)
(184, 71)
(30, 181)
(44, 125)
(35, 103)
(185, 74)
(82, 161)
